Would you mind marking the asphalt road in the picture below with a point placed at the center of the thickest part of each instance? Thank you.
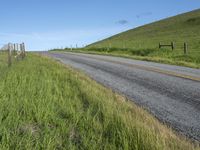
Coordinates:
(170, 93)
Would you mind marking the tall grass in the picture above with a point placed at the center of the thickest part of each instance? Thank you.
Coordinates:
(46, 105)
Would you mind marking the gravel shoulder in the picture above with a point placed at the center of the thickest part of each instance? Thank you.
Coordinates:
(174, 100)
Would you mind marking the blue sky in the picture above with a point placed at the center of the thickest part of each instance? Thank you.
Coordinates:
(45, 24)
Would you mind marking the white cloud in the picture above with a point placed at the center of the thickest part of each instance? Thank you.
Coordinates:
(55, 39)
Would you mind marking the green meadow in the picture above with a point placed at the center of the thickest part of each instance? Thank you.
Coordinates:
(47, 105)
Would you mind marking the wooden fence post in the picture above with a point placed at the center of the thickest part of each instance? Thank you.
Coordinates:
(14, 48)
(185, 48)
(17, 47)
(24, 50)
(159, 45)
(21, 50)
(9, 55)
(173, 45)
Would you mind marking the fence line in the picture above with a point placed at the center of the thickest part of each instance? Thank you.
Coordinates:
(14, 49)
(172, 45)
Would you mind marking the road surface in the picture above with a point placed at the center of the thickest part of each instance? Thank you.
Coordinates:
(171, 93)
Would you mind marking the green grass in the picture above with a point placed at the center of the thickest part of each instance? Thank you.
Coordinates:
(145, 54)
(3, 63)
(46, 105)
(3, 59)
(143, 41)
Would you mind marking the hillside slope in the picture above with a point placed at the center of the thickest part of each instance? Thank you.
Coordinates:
(143, 42)
(181, 28)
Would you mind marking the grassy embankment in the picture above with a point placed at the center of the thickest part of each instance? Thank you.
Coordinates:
(46, 105)
(142, 42)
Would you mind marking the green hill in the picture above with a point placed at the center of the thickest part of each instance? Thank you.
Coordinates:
(144, 40)
(181, 28)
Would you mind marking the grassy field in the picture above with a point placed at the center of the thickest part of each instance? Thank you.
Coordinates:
(46, 105)
(3, 63)
(142, 42)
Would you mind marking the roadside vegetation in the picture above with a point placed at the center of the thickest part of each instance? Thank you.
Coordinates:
(143, 42)
(3, 63)
(165, 56)
(47, 105)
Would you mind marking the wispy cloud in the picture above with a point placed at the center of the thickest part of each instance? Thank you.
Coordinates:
(122, 22)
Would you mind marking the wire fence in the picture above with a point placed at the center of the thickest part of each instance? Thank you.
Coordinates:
(12, 52)
(190, 48)
(187, 49)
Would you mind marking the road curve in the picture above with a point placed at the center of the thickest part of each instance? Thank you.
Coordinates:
(171, 93)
